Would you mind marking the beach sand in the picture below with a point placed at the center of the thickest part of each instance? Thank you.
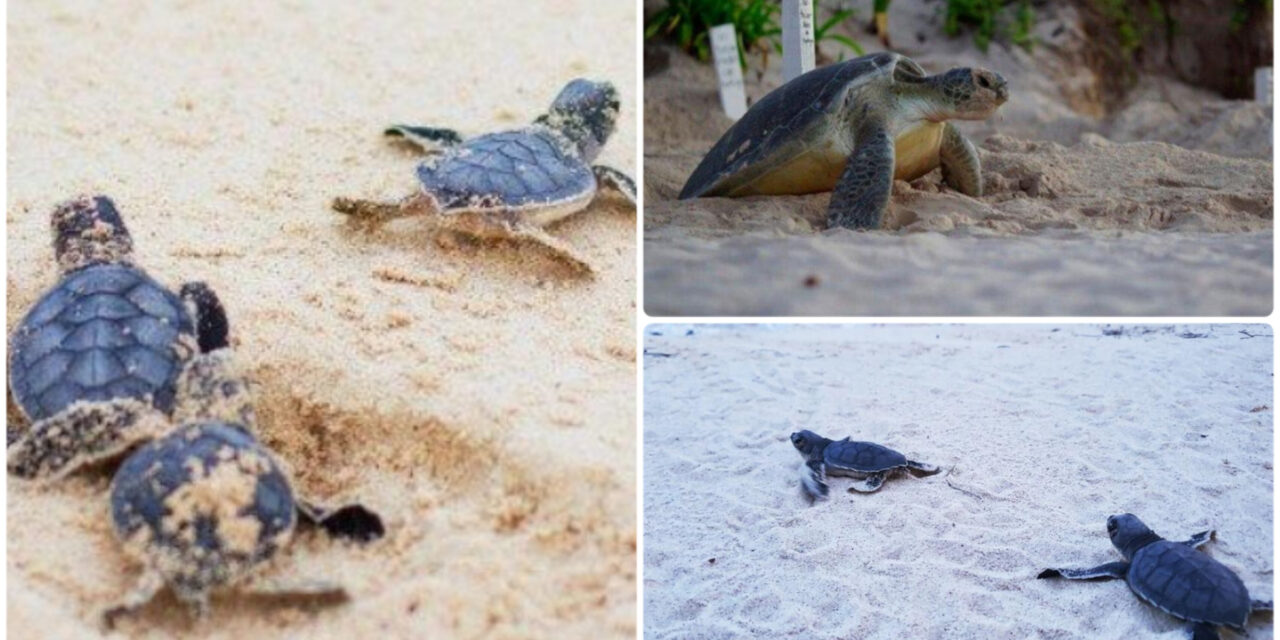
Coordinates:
(477, 397)
(1162, 206)
(1042, 433)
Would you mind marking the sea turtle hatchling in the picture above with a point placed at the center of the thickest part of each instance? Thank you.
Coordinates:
(206, 505)
(1173, 577)
(853, 128)
(98, 356)
(868, 462)
(512, 184)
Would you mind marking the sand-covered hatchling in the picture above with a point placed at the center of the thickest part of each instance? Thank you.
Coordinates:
(867, 462)
(1174, 577)
(512, 184)
(97, 359)
(853, 128)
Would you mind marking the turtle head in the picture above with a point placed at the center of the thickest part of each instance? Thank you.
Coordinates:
(89, 230)
(969, 93)
(1129, 534)
(585, 112)
(809, 444)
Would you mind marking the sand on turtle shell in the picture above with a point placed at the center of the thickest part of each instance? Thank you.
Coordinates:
(1161, 208)
(1042, 433)
(477, 398)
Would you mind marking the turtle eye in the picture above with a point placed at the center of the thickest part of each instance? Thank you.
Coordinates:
(983, 82)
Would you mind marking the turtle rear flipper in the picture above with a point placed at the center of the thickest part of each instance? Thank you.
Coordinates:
(207, 312)
(429, 139)
(83, 434)
(922, 469)
(616, 180)
(862, 194)
(1109, 571)
(351, 521)
(1260, 605)
(142, 592)
(870, 484)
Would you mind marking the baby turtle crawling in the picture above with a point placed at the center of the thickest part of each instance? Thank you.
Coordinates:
(206, 505)
(866, 461)
(853, 128)
(512, 184)
(1173, 577)
(100, 353)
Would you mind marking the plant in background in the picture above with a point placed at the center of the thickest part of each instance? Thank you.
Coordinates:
(754, 21)
(988, 19)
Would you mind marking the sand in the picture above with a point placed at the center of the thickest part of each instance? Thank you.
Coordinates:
(1042, 431)
(1160, 207)
(475, 395)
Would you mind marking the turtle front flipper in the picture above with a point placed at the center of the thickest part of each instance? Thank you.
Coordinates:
(1204, 631)
(372, 212)
(813, 479)
(961, 167)
(862, 194)
(1109, 571)
(429, 139)
(351, 521)
(1199, 539)
(143, 592)
(616, 180)
(82, 434)
(870, 484)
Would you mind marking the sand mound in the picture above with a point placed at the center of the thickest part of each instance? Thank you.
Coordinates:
(1035, 456)
(474, 395)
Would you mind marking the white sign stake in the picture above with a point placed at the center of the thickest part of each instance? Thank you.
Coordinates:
(1262, 85)
(797, 38)
(724, 49)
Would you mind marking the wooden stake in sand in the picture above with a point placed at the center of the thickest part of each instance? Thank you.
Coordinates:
(797, 38)
(1262, 85)
(724, 49)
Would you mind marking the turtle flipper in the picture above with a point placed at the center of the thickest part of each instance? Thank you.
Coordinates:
(617, 180)
(1260, 605)
(143, 592)
(371, 212)
(211, 388)
(1109, 571)
(352, 521)
(813, 479)
(870, 484)
(1199, 539)
(1204, 631)
(209, 315)
(922, 469)
(82, 434)
(961, 167)
(862, 194)
(429, 139)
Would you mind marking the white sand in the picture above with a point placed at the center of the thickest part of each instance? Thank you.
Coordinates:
(1162, 208)
(1045, 432)
(477, 398)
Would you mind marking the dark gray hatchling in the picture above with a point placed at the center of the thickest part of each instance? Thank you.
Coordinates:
(512, 184)
(1173, 577)
(868, 462)
(94, 365)
(205, 506)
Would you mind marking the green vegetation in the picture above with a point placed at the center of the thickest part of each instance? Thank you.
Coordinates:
(754, 21)
(991, 19)
(1245, 9)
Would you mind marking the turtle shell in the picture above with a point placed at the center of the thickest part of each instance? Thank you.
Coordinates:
(202, 505)
(776, 127)
(105, 332)
(862, 456)
(511, 170)
(1188, 584)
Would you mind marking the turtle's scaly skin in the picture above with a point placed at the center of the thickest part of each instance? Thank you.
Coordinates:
(105, 332)
(202, 507)
(523, 169)
(1189, 584)
(863, 456)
